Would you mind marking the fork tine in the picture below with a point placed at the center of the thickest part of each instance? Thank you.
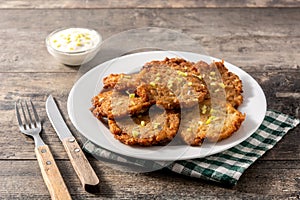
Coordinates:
(35, 113)
(18, 115)
(29, 114)
(24, 114)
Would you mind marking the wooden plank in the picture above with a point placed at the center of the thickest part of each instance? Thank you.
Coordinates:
(264, 42)
(268, 52)
(14, 86)
(36, 86)
(40, 4)
(276, 180)
(246, 37)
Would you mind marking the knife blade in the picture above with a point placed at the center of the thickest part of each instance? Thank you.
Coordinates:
(80, 163)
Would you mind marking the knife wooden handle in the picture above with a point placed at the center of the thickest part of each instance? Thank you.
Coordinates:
(52, 177)
(80, 163)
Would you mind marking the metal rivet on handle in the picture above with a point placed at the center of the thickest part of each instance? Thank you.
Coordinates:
(76, 150)
(71, 140)
(48, 162)
(43, 150)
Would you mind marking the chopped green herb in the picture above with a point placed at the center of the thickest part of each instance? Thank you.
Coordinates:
(222, 85)
(135, 133)
(203, 109)
(152, 84)
(182, 73)
(210, 119)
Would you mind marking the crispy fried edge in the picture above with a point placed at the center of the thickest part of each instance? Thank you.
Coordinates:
(165, 136)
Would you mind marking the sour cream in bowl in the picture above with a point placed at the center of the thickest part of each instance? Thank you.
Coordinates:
(73, 46)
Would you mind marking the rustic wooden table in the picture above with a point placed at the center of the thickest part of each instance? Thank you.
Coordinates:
(261, 38)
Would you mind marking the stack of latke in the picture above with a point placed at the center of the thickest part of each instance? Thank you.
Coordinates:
(195, 101)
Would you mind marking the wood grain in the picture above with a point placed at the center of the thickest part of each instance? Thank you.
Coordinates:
(80, 164)
(51, 174)
(247, 38)
(15, 86)
(40, 4)
(264, 42)
(273, 180)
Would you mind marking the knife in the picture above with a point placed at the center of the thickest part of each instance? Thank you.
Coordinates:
(80, 163)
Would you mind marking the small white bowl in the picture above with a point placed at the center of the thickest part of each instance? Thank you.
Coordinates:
(74, 58)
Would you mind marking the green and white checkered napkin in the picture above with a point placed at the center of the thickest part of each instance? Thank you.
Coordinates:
(225, 167)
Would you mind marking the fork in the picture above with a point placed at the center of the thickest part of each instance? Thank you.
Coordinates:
(30, 125)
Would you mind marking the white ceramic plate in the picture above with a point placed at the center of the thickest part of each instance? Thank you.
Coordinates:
(90, 84)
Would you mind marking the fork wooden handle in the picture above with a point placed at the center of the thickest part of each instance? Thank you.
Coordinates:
(52, 177)
(80, 163)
